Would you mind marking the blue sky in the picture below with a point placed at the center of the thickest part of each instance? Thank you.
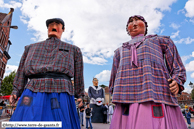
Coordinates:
(98, 28)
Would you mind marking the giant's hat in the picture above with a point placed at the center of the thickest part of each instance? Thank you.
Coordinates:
(55, 20)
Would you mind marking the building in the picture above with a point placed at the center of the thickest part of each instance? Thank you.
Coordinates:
(5, 25)
(184, 98)
(108, 97)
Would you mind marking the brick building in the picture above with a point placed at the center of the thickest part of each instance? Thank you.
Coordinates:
(184, 98)
(5, 20)
(108, 97)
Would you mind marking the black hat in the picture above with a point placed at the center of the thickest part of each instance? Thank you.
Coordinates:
(55, 20)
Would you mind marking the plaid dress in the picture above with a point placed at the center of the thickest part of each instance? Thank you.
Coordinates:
(141, 68)
(157, 61)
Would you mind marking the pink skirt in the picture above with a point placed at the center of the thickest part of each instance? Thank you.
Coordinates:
(148, 115)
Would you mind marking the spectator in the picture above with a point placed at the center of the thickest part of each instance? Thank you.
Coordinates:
(186, 106)
(107, 106)
(81, 111)
(188, 117)
(2, 103)
(110, 112)
(104, 111)
(2, 106)
(88, 116)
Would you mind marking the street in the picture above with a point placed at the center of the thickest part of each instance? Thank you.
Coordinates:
(95, 125)
(4, 118)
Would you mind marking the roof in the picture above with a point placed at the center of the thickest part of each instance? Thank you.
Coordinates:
(2, 16)
(185, 93)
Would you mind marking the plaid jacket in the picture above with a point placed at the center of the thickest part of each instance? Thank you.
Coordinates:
(157, 61)
(51, 55)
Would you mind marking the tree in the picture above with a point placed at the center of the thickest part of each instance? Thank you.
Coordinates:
(7, 84)
(192, 94)
(103, 86)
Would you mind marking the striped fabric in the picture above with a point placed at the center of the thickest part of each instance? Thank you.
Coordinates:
(51, 55)
(157, 61)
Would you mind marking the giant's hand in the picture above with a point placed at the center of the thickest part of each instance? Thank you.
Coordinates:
(12, 100)
(174, 87)
(80, 102)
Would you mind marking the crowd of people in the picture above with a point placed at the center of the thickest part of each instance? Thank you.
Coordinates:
(2, 107)
(106, 110)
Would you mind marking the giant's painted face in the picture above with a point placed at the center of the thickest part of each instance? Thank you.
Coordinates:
(136, 27)
(55, 30)
(95, 82)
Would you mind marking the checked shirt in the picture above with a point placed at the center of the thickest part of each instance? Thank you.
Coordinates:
(51, 55)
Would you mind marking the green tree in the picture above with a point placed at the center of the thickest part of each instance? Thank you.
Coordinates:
(103, 86)
(192, 94)
(7, 84)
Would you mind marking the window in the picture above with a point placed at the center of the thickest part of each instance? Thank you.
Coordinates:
(2, 69)
(8, 46)
(2, 40)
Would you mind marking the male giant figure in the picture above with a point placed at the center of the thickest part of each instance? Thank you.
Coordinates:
(44, 75)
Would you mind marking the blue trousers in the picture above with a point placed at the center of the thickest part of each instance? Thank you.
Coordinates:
(188, 121)
(88, 120)
(81, 117)
(1, 110)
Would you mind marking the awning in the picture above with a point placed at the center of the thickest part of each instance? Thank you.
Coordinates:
(5, 97)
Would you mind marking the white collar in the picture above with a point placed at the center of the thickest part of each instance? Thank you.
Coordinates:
(97, 88)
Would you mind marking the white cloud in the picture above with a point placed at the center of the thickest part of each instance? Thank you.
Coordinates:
(104, 76)
(86, 90)
(189, 8)
(190, 66)
(161, 31)
(174, 26)
(94, 60)
(192, 20)
(96, 26)
(187, 89)
(192, 75)
(9, 69)
(185, 58)
(11, 4)
(192, 54)
(181, 11)
(187, 40)
(174, 35)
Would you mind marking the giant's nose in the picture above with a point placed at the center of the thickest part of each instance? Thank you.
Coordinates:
(134, 22)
